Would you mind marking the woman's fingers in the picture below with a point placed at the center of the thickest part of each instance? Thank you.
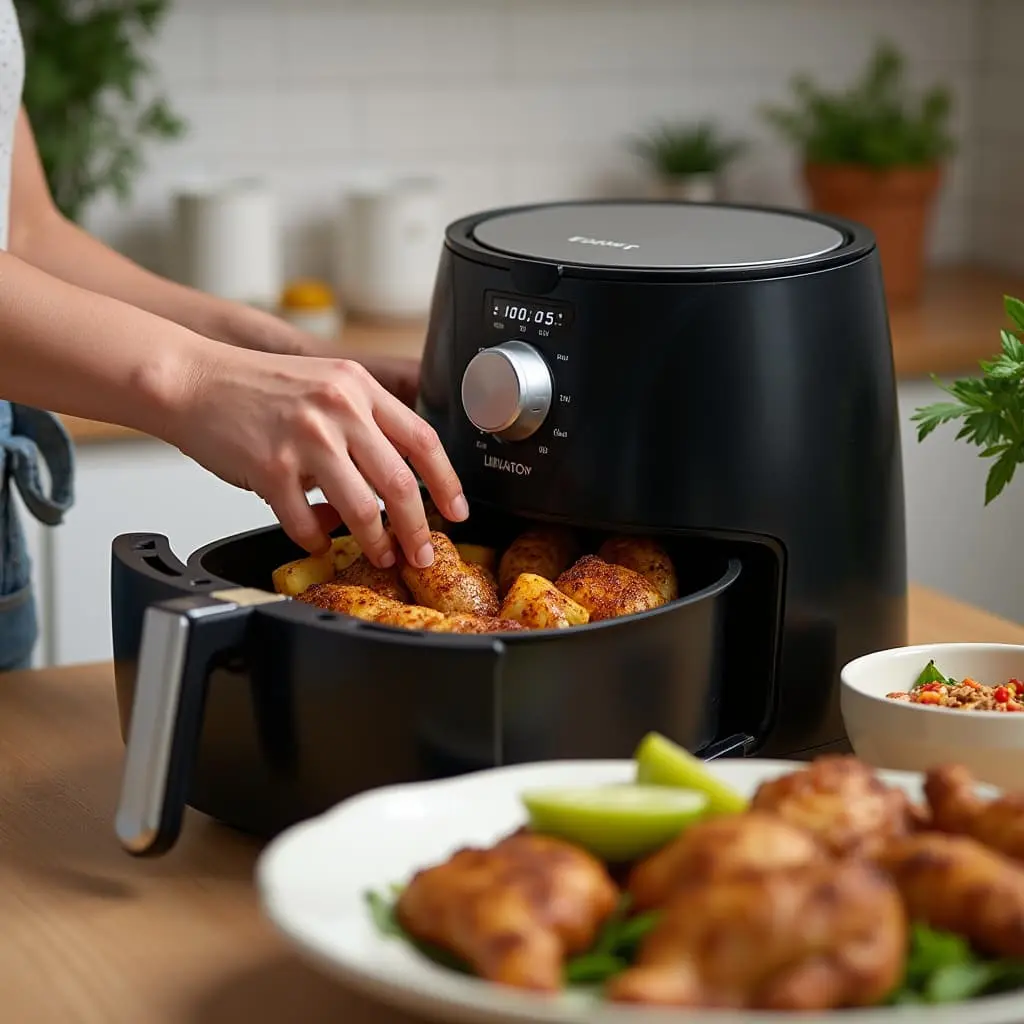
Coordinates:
(413, 435)
(297, 517)
(347, 491)
(396, 484)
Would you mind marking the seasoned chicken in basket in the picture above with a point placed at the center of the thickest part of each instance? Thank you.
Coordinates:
(544, 551)
(607, 591)
(363, 573)
(645, 556)
(449, 584)
(513, 912)
(366, 604)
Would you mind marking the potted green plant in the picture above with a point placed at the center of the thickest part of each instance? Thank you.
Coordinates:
(990, 407)
(874, 153)
(686, 159)
(85, 78)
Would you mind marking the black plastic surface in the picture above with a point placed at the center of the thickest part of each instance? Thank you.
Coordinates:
(755, 405)
(310, 708)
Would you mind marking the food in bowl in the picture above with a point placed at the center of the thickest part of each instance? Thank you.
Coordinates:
(828, 889)
(936, 689)
(542, 580)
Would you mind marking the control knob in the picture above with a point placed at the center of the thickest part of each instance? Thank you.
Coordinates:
(507, 390)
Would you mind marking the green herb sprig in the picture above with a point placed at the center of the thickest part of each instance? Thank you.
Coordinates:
(942, 968)
(991, 407)
(876, 122)
(612, 952)
(682, 149)
(92, 94)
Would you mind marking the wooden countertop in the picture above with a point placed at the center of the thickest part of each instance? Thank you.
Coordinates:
(956, 323)
(90, 935)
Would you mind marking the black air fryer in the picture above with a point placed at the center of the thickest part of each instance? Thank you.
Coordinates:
(718, 376)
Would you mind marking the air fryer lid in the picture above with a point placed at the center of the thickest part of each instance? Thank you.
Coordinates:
(658, 235)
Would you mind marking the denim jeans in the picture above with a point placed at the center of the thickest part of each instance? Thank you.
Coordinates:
(29, 438)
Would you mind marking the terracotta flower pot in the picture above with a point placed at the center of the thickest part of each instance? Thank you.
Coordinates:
(895, 204)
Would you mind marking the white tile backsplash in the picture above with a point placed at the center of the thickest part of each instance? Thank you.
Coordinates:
(997, 161)
(520, 100)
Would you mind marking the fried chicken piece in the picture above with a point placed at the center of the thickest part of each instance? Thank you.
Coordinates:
(543, 551)
(513, 912)
(645, 556)
(956, 884)
(449, 584)
(366, 604)
(813, 938)
(476, 624)
(607, 591)
(719, 848)
(842, 801)
(363, 573)
(956, 807)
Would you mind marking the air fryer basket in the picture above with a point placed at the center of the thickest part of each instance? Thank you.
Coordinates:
(261, 712)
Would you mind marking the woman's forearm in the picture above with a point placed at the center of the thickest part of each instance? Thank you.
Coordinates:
(64, 250)
(69, 350)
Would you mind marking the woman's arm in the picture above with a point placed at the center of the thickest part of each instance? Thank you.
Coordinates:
(42, 236)
(275, 424)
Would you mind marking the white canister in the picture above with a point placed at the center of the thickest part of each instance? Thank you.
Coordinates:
(389, 240)
(228, 241)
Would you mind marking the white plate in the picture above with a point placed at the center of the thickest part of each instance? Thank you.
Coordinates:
(312, 880)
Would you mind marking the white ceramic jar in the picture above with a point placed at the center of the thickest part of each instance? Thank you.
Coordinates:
(389, 239)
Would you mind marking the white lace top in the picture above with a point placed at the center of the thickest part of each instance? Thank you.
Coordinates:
(12, 77)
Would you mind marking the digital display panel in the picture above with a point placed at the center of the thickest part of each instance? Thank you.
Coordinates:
(519, 309)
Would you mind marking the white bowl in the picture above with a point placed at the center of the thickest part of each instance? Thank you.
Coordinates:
(916, 737)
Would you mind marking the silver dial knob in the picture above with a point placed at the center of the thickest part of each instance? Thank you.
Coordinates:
(506, 390)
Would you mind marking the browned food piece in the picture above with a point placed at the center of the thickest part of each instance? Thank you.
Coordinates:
(538, 604)
(956, 884)
(956, 807)
(478, 554)
(449, 584)
(719, 848)
(607, 591)
(822, 937)
(645, 556)
(366, 604)
(544, 551)
(363, 573)
(292, 578)
(476, 624)
(841, 801)
(513, 912)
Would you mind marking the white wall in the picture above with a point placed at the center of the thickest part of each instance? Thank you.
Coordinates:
(511, 100)
(999, 162)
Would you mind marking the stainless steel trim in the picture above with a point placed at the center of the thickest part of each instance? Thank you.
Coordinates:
(507, 390)
(165, 636)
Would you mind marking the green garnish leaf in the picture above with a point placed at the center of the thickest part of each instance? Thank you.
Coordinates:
(930, 674)
(382, 911)
(990, 407)
(942, 968)
(954, 983)
(593, 967)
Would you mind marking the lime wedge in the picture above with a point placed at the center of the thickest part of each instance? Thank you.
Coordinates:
(615, 822)
(660, 762)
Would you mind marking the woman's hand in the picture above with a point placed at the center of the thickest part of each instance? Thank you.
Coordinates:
(399, 376)
(283, 425)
